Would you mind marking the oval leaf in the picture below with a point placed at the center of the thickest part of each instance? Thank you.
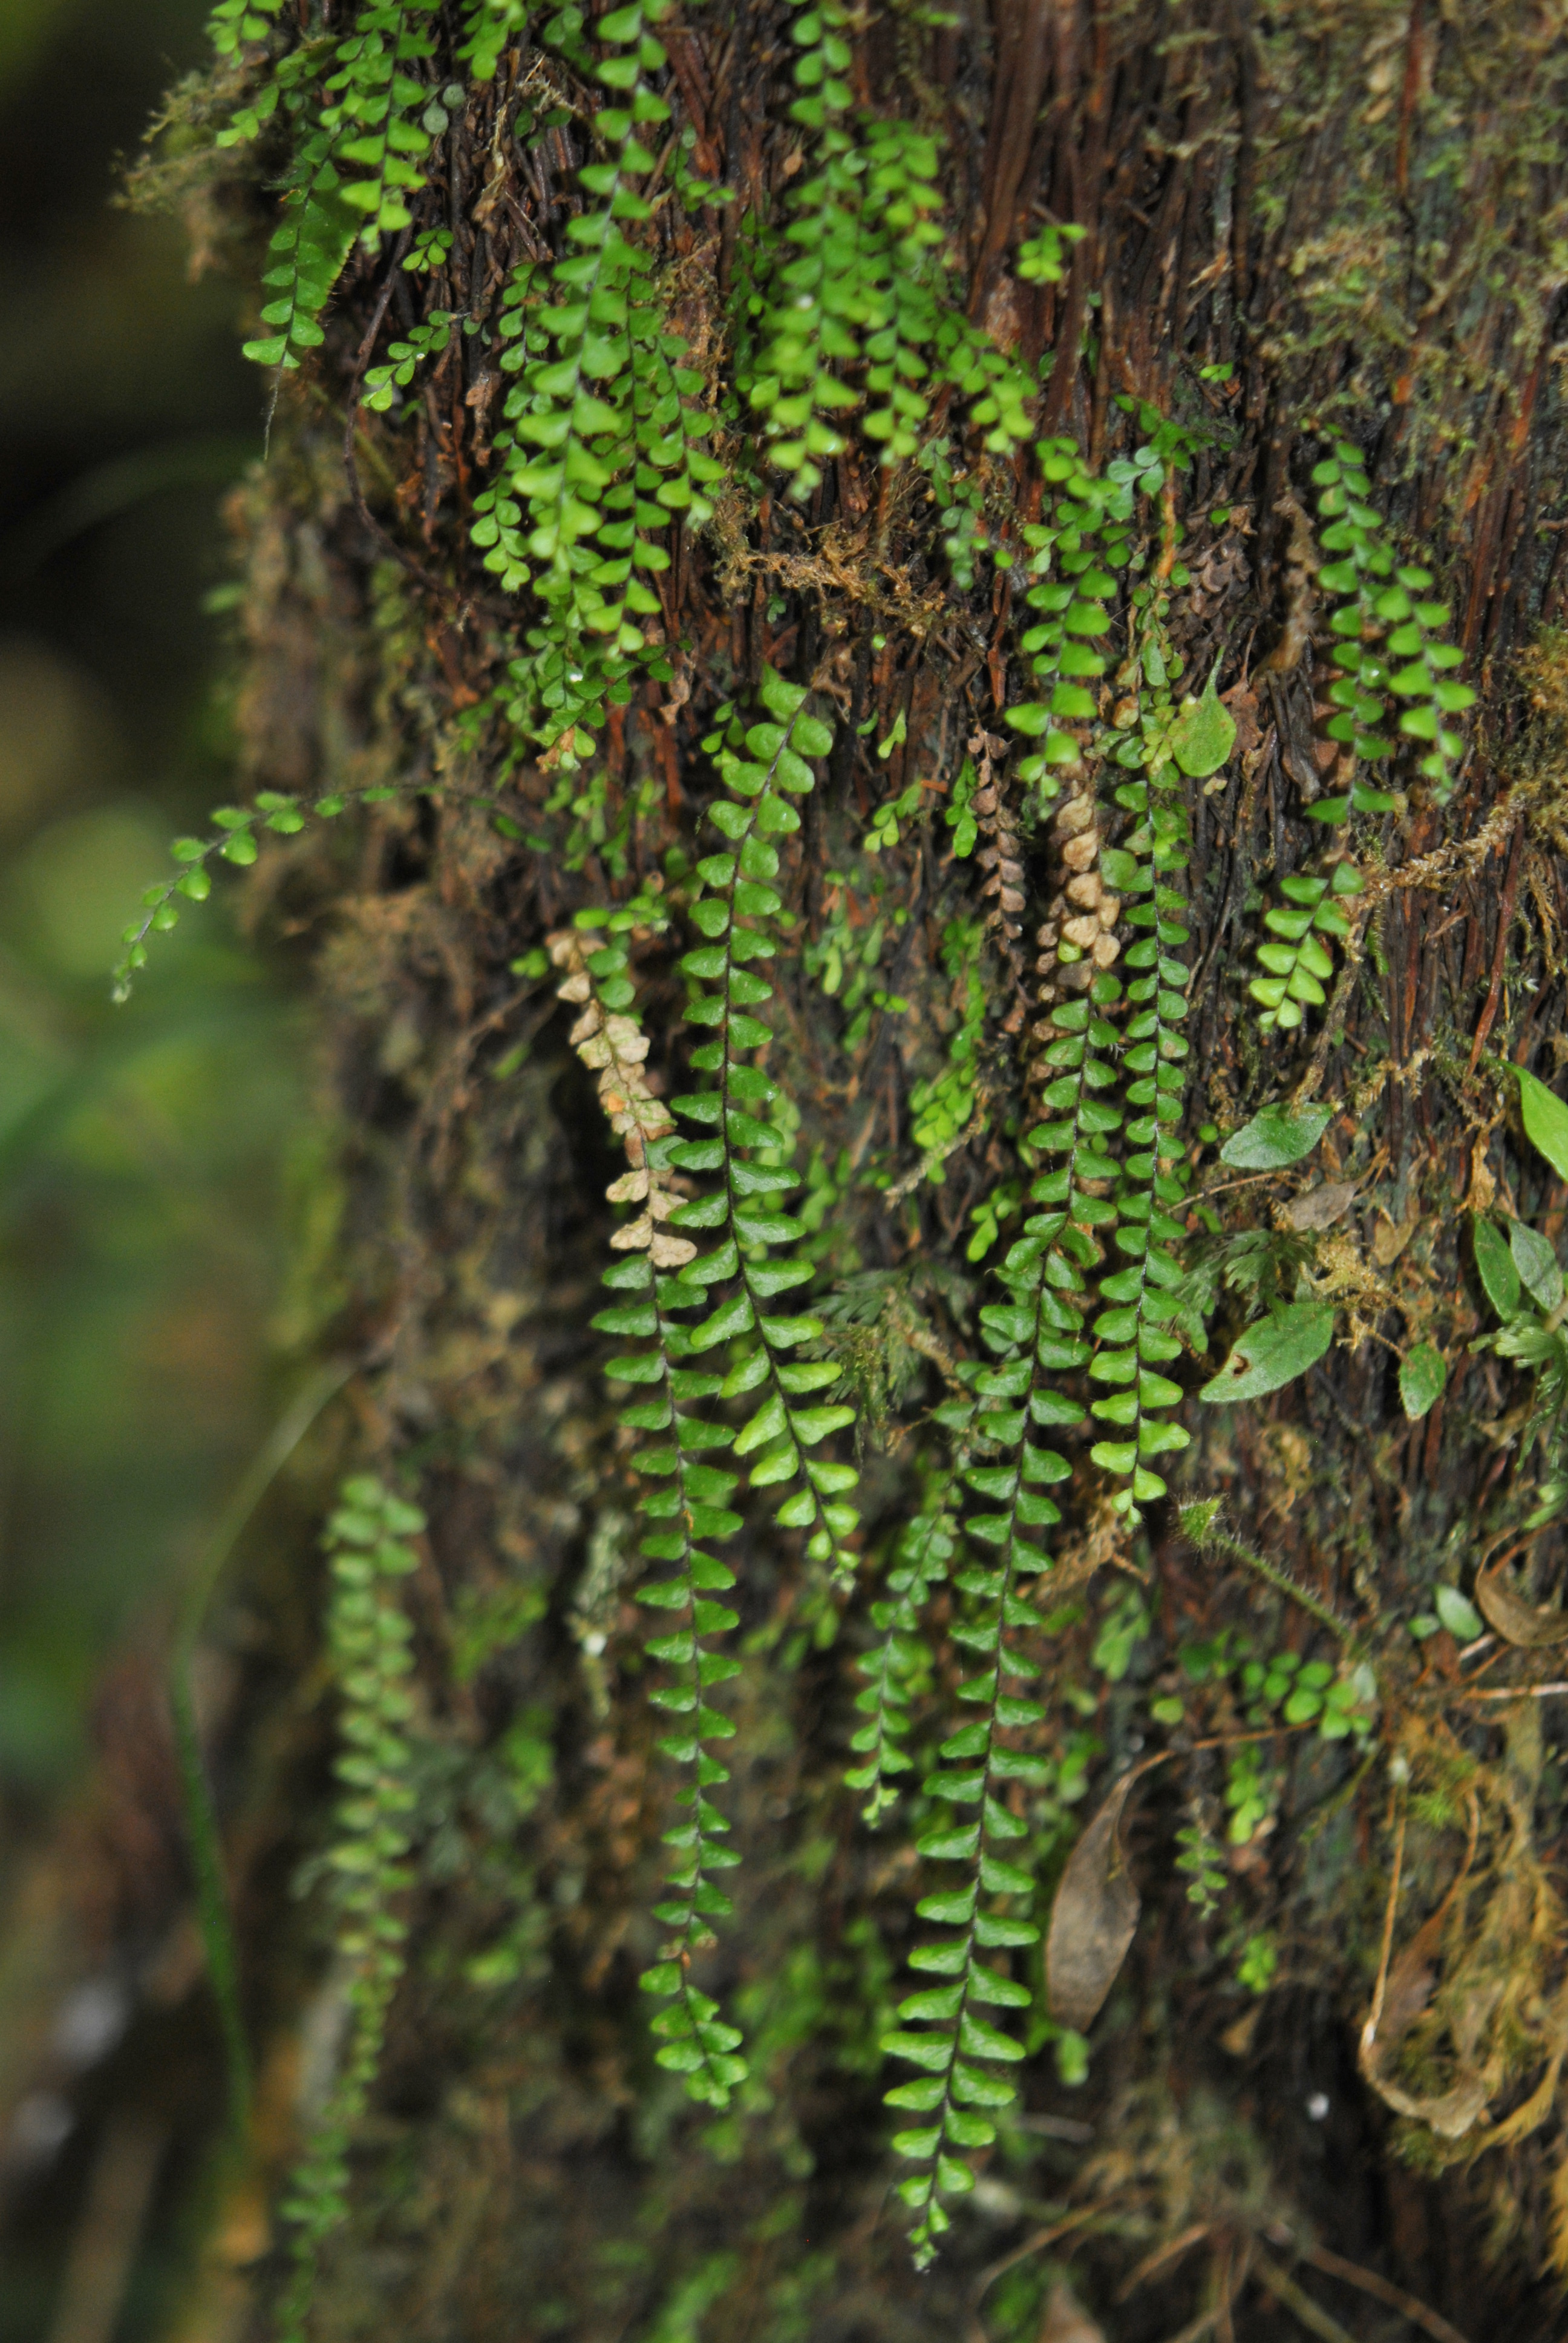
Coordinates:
(1537, 1265)
(1545, 1121)
(1458, 1615)
(1204, 734)
(1093, 1918)
(1422, 1379)
(1516, 1621)
(1273, 1352)
(1277, 1135)
(1494, 1267)
(1320, 1207)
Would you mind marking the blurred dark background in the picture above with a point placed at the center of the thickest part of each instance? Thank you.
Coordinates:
(139, 1146)
(146, 1151)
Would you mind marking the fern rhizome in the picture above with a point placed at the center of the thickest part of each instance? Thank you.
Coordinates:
(957, 886)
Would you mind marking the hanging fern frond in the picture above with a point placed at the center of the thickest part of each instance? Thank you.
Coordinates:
(854, 303)
(234, 839)
(1387, 645)
(1132, 1336)
(599, 450)
(901, 1657)
(1037, 1333)
(364, 124)
(1074, 554)
(429, 340)
(753, 1259)
(368, 1640)
(235, 23)
(306, 256)
(375, 115)
(694, 2040)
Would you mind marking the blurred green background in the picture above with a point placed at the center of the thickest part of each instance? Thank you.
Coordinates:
(143, 1150)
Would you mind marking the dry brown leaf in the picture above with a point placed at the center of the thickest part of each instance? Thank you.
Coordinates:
(1242, 703)
(1515, 1620)
(1093, 1918)
(1389, 1241)
(1320, 1207)
(1452, 2113)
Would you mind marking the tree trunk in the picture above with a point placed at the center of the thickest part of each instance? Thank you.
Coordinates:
(1327, 2069)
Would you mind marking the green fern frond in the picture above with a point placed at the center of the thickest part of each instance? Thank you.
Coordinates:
(599, 449)
(901, 1657)
(696, 2043)
(376, 114)
(306, 254)
(233, 24)
(747, 1151)
(1074, 554)
(1132, 1337)
(368, 1640)
(1387, 643)
(365, 125)
(234, 839)
(856, 287)
(1037, 1333)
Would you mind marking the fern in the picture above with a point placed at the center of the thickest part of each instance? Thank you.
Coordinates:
(1133, 1338)
(695, 2041)
(779, 1431)
(374, 117)
(1038, 1332)
(489, 26)
(234, 22)
(599, 453)
(856, 284)
(613, 1046)
(739, 1145)
(364, 124)
(310, 246)
(943, 1109)
(235, 840)
(429, 340)
(1386, 643)
(1073, 555)
(902, 1658)
(367, 1639)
